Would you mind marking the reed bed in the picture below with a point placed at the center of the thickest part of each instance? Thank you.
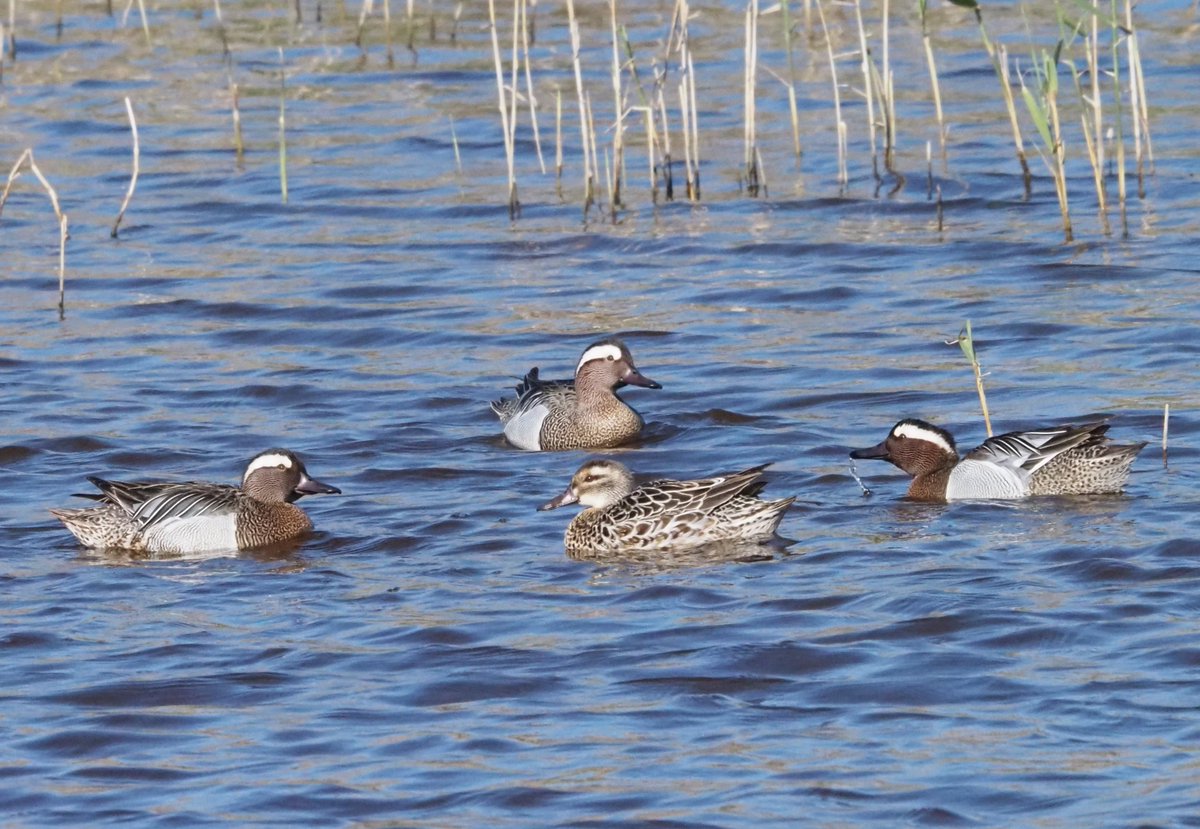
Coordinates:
(657, 99)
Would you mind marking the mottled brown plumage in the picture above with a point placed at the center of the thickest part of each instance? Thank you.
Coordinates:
(664, 514)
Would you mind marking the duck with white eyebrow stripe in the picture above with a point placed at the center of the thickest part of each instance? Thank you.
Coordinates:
(1063, 460)
(583, 413)
(200, 517)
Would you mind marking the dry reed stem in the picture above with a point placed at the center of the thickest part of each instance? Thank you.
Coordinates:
(387, 33)
(137, 155)
(618, 156)
(513, 205)
(668, 174)
(238, 146)
(999, 58)
(927, 42)
(843, 175)
(458, 8)
(928, 170)
(368, 7)
(940, 216)
(142, 13)
(687, 139)
(63, 235)
(558, 142)
(454, 143)
(283, 179)
(1119, 115)
(887, 88)
(749, 90)
(695, 125)
(529, 93)
(585, 133)
(647, 110)
(868, 86)
(63, 224)
(793, 107)
(1093, 55)
(221, 30)
(1166, 418)
(12, 30)
(411, 39)
(590, 124)
(1138, 82)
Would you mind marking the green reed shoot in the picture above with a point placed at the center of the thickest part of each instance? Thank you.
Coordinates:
(137, 154)
(966, 342)
(1043, 109)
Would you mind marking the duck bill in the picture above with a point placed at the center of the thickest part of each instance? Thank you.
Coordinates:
(568, 497)
(311, 486)
(877, 452)
(635, 378)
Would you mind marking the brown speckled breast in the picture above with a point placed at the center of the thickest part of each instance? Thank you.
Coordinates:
(594, 427)
(261, 523)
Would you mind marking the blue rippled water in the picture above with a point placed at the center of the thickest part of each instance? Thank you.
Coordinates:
(430, 656)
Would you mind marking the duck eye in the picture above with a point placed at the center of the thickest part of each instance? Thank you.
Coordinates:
(281, 466)
(610, 358)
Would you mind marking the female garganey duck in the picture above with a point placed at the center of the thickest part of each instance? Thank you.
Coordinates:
(664, 514)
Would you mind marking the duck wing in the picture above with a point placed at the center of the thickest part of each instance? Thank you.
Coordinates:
(1030, 451)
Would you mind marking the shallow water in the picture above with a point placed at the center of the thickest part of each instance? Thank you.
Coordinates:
(430, 657)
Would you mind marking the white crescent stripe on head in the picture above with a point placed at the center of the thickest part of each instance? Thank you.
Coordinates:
(599, 352)
(268, 460)
(915, 432)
